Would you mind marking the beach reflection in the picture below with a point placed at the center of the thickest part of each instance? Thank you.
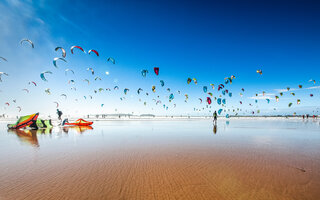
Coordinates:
(29, 136)
(215, 129)
(26, 136)
(78, 129)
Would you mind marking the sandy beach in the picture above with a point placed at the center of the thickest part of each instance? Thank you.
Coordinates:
(165, 160)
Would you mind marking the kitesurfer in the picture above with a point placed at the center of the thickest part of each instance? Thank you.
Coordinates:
(215, 117)
(59, 113)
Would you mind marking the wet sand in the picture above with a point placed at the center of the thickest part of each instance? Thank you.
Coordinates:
(165, 160)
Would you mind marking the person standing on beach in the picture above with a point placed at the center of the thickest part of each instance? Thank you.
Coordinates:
(215, 117)
(59, 113)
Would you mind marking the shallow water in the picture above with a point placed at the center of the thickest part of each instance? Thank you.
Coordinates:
(164, 159)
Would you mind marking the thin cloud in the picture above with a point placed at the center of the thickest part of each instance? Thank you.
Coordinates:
(260, 97)
(313, 87)
(294, 89)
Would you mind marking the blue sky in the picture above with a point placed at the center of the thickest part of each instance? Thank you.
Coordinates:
(208, 40)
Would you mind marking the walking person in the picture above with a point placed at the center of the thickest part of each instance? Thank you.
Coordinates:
(59, 113)
(215, 117)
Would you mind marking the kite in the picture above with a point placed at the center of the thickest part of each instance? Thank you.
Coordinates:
(144, 72)
(219, 101)
(162, 83)
(209, 93)
(221, 86)
(57, 104)
(195, 81)
(43, 73)
(78, 47)
(227, 80)
(209, 100)
(101, 89)
(168, 89)
(288, 88)
(90, 69)
(268, 100)
(116, 88)
(259, 71)
(153, 88)
(32, 83)
(27, 40)
(125, 90)
(3, 73)
(4, 59)
(48, 91)
(102, 105)
(277, 99)
(224, 101)
(67, 70)
(63, 51)
(64, 95)
(7, 104)
(55, 61)
(189, 80)
(71, 81)
(290, 104)
(300, 86)
(298, 101)
(19, 108)
(171, 97)
(111, 60)
(205, 89)
(87, 81)
(139, 90)
(92, 50)
(281, 93)
(200, 100)
(212, 85)
(311, 95)
(25, 90)
(156, 70)
(230, 94)
(97, 78)
(187, 97)
(219, 111)
(293, 94)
